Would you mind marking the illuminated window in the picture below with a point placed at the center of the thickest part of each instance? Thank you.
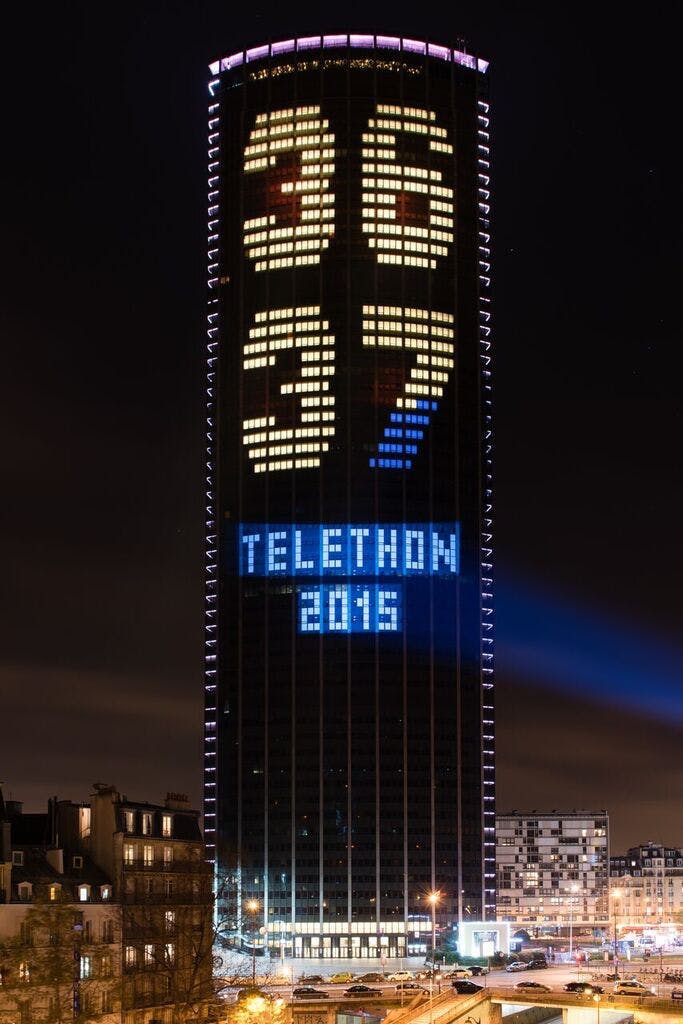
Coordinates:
(129, 820)
(168, 855)
(84, 893)
(148, 856)
(290, 155)
(128, 853)
(431, 336)
(129, 956)
(408, 212)
(304, 402)
(167, 825)
(146, 824)
(149, 953)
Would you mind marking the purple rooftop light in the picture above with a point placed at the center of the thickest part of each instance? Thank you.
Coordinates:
(356, 40)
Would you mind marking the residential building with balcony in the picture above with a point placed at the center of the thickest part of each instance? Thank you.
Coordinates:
(646, 885)
(552, 869)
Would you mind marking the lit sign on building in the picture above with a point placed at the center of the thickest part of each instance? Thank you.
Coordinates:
(389, 553)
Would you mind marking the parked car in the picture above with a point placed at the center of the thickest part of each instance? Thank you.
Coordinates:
(399, 976)
(478, 970)
(537, 964)
(466, 988)
(308, 992)
(362, 990)
(371, 976)
(632, 988)
(459, 973)
(531, 986)
(410, 986)
(516, 965)
(341, 978)
(311, 979)
(583, 988)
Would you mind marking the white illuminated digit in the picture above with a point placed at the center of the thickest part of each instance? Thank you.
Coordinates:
(363, 602)
(407, 210)
(293, 218)
(296, 419)
(431, 336)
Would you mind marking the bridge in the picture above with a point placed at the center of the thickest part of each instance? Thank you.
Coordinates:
(502, 1006)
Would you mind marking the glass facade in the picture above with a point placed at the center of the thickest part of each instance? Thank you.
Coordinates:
(349, 765)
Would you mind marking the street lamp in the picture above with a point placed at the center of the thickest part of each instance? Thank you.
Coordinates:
(616, 893)
(572, 889)
(433, 898)
(596, 1000)
(252, 907)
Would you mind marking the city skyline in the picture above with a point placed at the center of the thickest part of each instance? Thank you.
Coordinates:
(105, 603)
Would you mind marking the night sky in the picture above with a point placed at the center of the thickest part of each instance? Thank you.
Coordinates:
(103, 198)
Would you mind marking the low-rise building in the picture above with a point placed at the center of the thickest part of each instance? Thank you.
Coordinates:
(106, 908)
(552, 869)
(646, 886)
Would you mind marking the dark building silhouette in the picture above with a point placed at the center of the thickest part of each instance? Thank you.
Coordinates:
(349, 763)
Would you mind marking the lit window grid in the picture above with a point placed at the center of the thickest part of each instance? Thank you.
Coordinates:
(295, 129)
(425, 332)
(268, 445)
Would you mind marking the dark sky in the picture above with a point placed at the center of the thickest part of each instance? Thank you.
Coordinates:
(103, 198)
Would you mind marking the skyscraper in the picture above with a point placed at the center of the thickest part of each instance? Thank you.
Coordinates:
(349, 762)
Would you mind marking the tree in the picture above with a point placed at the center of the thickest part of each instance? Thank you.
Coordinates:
(49, 971)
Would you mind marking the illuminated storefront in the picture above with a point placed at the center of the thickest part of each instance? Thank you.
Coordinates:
(349, 765)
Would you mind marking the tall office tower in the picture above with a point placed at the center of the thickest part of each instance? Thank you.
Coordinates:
(349, 717)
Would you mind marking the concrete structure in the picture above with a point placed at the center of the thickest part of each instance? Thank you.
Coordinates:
(552, 869)
(107, 909)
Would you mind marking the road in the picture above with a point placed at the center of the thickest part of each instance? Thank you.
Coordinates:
(555, 977)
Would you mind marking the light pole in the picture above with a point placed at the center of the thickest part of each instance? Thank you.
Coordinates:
(616, 893)
(572, 889)
(596, 1000)
(433, 899)
(252, 906)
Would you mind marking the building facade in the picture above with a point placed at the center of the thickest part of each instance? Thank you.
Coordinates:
(646, 886)
(107, 913)
(553, 869)
(349, 766)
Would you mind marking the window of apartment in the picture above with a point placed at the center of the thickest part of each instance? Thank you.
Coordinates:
(128, 853)
(107, 1003)
(129, 821)
(168, 886)
(148, 856)
(18, 858)
(84, 893)
(25, 891)
(168, 856)
(105, 892)
(77, 862)
(149, 887)
(25, 934)
(149, 953)
(130, 956)
(55, 891)
(24, 973)
(86, 967)
(108, 930)
(169, 920)
(87, 931)
(105, 966)
(146, 824)
(167, 825)
(25, 1013)
(169, 952)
